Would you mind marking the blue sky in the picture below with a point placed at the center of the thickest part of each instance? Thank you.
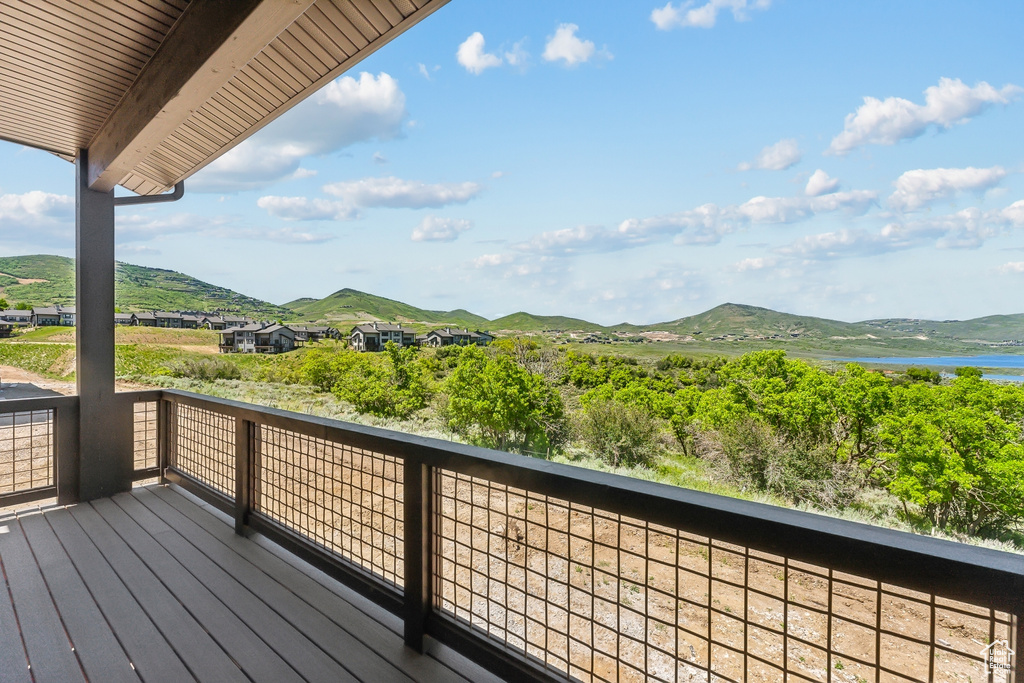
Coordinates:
(619, 162)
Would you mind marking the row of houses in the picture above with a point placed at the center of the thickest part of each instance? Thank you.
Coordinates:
(264, 337)
(373, 337)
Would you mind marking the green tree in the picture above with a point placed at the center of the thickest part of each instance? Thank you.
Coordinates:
(620, 433)
(957, 453)
(502, 405)
(23, 307)
(3, 304)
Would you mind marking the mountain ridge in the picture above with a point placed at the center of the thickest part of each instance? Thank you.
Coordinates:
(48, 279)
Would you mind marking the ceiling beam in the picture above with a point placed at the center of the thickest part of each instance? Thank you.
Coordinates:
(211, 41)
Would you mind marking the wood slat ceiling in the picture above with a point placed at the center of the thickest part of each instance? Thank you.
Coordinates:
(65, 64)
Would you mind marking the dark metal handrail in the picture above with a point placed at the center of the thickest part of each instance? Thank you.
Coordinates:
(983, 577)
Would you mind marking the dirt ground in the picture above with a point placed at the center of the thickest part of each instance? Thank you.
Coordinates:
(18, 383)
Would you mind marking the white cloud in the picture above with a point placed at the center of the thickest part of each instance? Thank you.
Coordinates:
(436, 229)
(37, 217)
(471, 55)
(777, 157)
(1011, 268)
(758, 263)
(379, 158)
(136, 250)
(345, 111)
(886, 122)
(792, 209)
(142, 227)
(965, 229)
(917, 188)
(304, 209)
(517, 55)
(565, 46)
(820, 183)
(703, 225)
(299, 174)
(492, 260)
(394, 192)
(686, 15)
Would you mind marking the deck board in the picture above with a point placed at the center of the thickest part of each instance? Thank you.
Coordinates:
(154, 585)
(99, 652)
(49, 650)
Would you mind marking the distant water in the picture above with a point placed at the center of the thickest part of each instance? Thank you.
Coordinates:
(1007, 361)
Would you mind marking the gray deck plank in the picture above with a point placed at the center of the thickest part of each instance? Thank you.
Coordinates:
(13, 660)
(363, 662)
(149, 651)
(376, 628)
(198, 650)
(146, 532)
(49, 651)
(99, 652)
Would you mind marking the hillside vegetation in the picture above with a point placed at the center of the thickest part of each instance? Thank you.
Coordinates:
(51, 280)
(353, 305)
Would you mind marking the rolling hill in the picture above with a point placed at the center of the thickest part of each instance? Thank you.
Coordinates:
(992, 328)
(43, 280)
(740, 320)
(351, 305)
(527, 322)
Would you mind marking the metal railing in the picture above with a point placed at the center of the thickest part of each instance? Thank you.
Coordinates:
(541, 570)
(545, 571)
(39, 445)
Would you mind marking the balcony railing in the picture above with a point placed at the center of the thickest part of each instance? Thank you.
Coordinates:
(541, 570)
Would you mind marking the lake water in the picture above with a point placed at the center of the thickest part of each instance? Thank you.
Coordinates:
(1000, 361)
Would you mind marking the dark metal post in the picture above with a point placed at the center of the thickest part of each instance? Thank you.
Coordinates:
(66, 454)
(105, 430)
(416, 484)
(1016, 643)
(243, 486)
(163, 434)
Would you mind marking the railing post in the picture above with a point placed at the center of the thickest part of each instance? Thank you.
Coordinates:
(417, 487)
(66, 453)
(1016, 643)
(243, 480)
(163, 437)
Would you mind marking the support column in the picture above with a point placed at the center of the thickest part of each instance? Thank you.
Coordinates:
(105, 432)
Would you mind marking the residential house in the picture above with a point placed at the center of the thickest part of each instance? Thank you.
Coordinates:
(313, 333)
(373, 336)
(454, 336)
(6, 329)
(275, 339)
(236, 321)
(144, 319)
(45, 316)
(239, 339)
(212, 322)
(122, 318)
(167, 319)
(67, 315)
(189, 321)
(17, 317)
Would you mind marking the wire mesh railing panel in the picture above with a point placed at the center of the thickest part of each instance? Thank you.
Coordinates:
(597, 596)
(346, 500)
(203, 446)
(26, 450)
(145, 434)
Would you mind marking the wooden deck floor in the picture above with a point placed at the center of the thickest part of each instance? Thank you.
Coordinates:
(155, 586)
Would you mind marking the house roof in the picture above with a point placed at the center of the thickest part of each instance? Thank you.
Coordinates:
(373, 328)
(144, 316)
(275, 328)
(47, 310)
(165, 314)
(157, 90)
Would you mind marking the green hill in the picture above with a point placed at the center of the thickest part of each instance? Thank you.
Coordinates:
(527, 322)
(752, 321)
(992, 328)
(43, 280)
(350, 305)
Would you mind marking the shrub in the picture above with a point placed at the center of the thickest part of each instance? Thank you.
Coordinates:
(619, 433)
(205, 369)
